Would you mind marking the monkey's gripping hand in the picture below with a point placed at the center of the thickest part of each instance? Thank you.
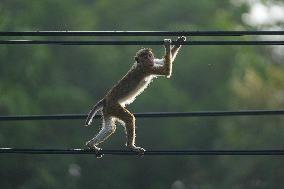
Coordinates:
(167, 44)
(180, 39)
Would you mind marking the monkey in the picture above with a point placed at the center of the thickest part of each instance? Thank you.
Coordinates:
(124, 92)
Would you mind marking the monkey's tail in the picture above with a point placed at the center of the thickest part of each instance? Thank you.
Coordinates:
(97, 107)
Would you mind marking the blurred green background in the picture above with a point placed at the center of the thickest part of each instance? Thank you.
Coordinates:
(70, 79)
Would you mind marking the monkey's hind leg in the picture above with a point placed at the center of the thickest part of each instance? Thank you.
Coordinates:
(128, 118)
(108, 127)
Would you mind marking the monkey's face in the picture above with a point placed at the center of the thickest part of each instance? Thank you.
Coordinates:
(145, 57)
(148, 59)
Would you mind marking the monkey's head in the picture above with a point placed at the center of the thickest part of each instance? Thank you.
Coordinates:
(145, 56)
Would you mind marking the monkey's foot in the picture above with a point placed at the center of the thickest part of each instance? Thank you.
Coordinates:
(139, 150)
(90, 144)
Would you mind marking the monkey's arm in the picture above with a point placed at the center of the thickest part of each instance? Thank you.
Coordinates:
(166, 69)
(176, 48)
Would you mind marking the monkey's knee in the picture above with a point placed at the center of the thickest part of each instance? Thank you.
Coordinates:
(109, 125)
(110, 129)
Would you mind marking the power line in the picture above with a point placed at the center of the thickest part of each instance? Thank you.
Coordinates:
(85, 42)
(138, 33)
(148, 115)
(150, 152)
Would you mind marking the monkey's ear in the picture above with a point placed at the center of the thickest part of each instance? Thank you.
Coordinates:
(136, 58)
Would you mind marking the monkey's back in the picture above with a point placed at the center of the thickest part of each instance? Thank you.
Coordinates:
(130, 86)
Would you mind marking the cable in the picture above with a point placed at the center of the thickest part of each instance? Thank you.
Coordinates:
(78, 42)
(148, 115)
(150, 152)
(138, 33)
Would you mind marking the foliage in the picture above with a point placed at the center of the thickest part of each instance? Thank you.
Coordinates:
(57, 79)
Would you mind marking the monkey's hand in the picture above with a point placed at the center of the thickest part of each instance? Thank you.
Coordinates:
(167, 44)
(139, 150)
(181, 39)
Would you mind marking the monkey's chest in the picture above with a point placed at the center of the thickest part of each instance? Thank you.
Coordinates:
(135, 90)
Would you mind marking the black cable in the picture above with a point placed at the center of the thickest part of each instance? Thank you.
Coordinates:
(150, 152)
(138, 33)
(149, 115)
(78, 42)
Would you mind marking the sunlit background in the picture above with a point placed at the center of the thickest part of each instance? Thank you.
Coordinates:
(43, 79)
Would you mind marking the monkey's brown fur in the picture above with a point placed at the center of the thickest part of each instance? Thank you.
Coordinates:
(125, 91)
